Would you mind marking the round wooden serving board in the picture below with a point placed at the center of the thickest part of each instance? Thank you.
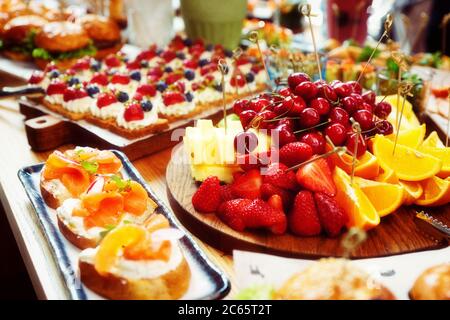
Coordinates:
(396, 234)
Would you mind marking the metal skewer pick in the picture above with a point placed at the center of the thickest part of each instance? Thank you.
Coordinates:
(405, 89)
(387, 28)
(448, 118)
(236, 54)
(352, 240)
(357, 129)
(222, 66)
(253, 37)
(305, 9)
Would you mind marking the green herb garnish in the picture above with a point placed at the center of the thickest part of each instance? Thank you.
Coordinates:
(41, 53)
(366, 52)
(124, 185)
(108, 228)
(90, 166)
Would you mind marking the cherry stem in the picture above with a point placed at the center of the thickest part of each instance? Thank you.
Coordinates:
(313, 127)
(324, 155)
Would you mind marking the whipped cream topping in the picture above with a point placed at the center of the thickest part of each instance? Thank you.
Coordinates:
(57, 99)
(79, 105)
(150, 117)
(108, 112)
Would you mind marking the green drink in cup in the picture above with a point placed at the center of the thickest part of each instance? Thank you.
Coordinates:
(215, 21)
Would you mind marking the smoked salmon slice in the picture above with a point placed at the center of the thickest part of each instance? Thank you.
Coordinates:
(104, 208)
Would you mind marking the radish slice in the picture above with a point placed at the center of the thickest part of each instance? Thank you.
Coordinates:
(96, 185)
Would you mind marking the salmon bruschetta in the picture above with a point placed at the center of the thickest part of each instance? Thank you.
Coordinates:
(68, 174)
(108, 201)
(137, 262)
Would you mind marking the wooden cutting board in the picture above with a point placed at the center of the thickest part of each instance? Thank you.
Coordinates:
(396, 234)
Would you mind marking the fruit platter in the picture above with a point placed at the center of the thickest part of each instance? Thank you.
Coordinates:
(297, 196)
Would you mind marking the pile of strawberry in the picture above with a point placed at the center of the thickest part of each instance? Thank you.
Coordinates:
(306, 111)
(301, 202)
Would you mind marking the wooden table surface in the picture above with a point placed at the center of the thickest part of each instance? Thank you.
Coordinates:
(16, 153)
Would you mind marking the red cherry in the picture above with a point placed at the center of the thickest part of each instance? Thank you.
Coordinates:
(112, 61)
(321, 105)
(245, 142)
(240, 105)
(351, 142)
(258, 104)
(335, 83)
(369, 97)
(327, 92)
(337, 133)
(148, 90)
(285, 134)
(120, 79)
(366, 106)
(309, 117)
(315, 140)
(99, 78)
(105, 99)
(358, 98)
(355, 86)
(265, 116)
(295, 79)
(306, 90)
(350, 105)
(246, 117)
(364, 118)
(171, 97)
(56, 87)
(285, 92)
(288, 122)
(133, 112)
(339, 115)
(73, 94)
(382, 110)
(384, 127)
(343, 90)
(298, 106)
(36, 77)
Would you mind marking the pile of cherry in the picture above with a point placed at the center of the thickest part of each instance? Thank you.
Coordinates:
(294, 193)
(307, 110)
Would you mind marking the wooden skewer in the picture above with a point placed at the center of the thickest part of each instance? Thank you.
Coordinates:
(222, 66)
(448, 119)
(357, 129)
(253, 37)
(305, 9)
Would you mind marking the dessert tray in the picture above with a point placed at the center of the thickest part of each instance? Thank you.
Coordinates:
(207, 282)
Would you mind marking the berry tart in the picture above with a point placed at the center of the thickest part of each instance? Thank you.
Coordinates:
(169, 84)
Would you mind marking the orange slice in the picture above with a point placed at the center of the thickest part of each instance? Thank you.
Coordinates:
(413, 191)
(442, 154)
(436, 192)
(385, 197)
(113, 243)
(411, 138)
(407, 163)
(366, 167)
(351, 198)
(387, 176)
(433, 140)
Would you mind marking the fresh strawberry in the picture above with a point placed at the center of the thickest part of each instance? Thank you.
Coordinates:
(138, 97)
(236, 175)
(156, 71)
(120, 79)
(133, 65)
(168, 55)
(146, 55)
(303, 219)
(316, 176)
(225, 193)
(190, 64)
(173, 77)
(331, 215)
(207, 198)
(112, 61)
(56, 87)
(268, 190)
(241, 214)
(82, 64)
(133, 112)
(99, 78)
(148, 90)
(105, 99)
(36, 77)
(72, 93)
(248, 185)
(170, 98)
(278, 175)
(294, 153)
(237, 81)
